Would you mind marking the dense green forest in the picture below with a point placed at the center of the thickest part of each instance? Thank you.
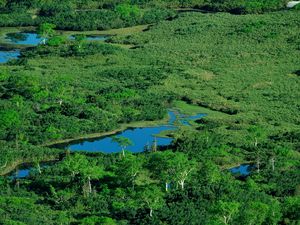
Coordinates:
(88, 15)
(193, 56)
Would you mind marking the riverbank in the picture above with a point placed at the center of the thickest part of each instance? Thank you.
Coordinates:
(10, 168)
(108, 133)
(55, 157)
(111, 32)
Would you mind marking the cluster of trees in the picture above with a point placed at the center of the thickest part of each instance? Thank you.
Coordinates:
(245, 6)
(122, 15)
(92, 15)
(69, 15)
(152, 188)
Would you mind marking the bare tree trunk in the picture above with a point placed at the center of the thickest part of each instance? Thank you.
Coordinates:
(133, 180)
(89, 185)
(182, 184)
(39, 168)
(256, 142)
(258, 165)
(17, 141)
(167, 186)
(154, 147)
(147, 147)
(273, 163)
(18, 184)
(151, 212)
(123, 152)
(225, 219)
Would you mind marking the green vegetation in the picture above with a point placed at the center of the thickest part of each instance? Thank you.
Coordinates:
(92, 15)
(241, 70)
(80, 15)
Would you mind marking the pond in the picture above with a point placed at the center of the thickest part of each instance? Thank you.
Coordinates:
(141, 137)
(5, 56)
(21, 173)
(243, 169)
(25, 169)
(31, 38)
(24, 38)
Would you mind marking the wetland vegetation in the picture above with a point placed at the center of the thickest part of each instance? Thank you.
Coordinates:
(212, 99)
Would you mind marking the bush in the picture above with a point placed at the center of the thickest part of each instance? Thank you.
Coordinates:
(56, 41)
(16, 19)
(157, 14)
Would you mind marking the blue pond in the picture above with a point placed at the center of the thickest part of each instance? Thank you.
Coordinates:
(21, 173)
(244, 169)
(140, 137)
(35, 39)
(24, 38)
(24, 170)
(5, 56)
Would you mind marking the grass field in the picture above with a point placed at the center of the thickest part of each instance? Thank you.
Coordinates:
(232, 65)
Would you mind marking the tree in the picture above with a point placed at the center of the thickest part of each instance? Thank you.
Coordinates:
(10, 124)
(227, 210)
(184, 167)
(153, 198)
(170, 166)
(126, 10)
(53, 133)
(124, 202)
(123, 142)
(46, 30)
(255, 213)
(94, 220)
(38, 166)
(128, 168)
(56, 40)
(154, 145)
(257, 134)
(291, 208)
(79, 40)
(79, 165)
(3, 3)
